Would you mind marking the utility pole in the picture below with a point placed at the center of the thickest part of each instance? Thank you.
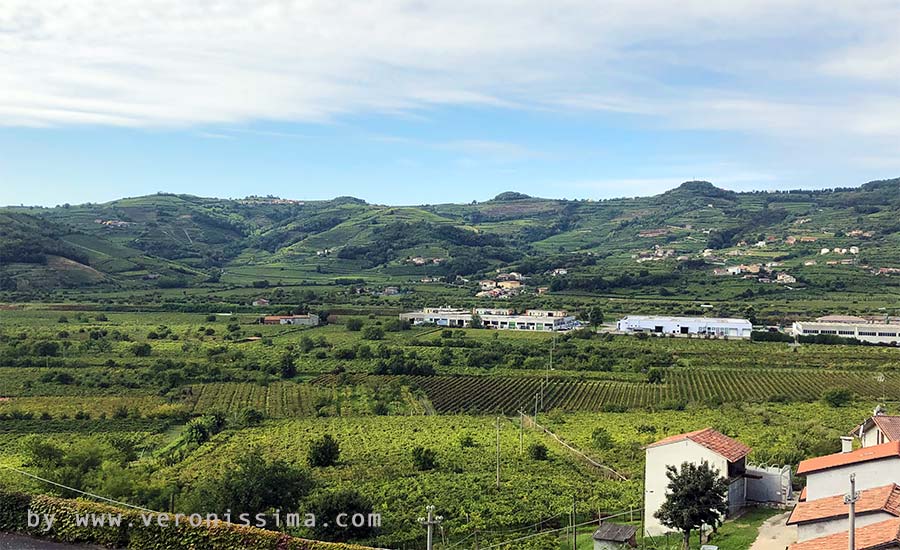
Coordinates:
(429, 522)
(535, 408)
(498, 452)
(521, 432)
(574, 523)
(850, 500)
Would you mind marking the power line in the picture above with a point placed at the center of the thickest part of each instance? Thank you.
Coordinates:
(120, 503)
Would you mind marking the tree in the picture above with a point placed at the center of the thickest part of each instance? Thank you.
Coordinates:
(424, 459)
(837, 397)
(595, 316)
(354, 325)
(255, 485)
(696, 495)
(476, 321)
(348, 505)
(141, 350)
(324, 452)
(537, 451)
(655, 375)
(601, 438)
(288, 365)
(372, 332)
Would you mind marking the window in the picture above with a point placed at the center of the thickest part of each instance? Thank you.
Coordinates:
(867, 333)
(888, 334)
(846, 333)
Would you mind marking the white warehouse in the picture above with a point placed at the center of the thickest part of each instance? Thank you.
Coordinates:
(876, 333)
(689, 326)
(502, 319)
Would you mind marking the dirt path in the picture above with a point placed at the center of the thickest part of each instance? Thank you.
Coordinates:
(774, 534)
(19, 542)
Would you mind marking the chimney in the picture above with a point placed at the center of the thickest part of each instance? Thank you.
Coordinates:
(846, 443)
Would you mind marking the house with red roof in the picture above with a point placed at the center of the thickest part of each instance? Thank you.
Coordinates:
(884, 535)
(822, 515)
(829, 515)
(723, 453)
(877, 429)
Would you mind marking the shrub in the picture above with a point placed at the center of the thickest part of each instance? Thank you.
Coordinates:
(323, 452)
(837, 397)
(354, 325)
(141, 350)
(424, 459)
(373, 333)
(601, 438)
(537, 451)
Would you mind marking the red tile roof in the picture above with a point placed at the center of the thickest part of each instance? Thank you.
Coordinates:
(802, 495)
(716, 442)
(879, 499)
(889, 426)
(884, 534)
(875, 452)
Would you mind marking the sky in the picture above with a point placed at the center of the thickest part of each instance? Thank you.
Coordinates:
(428, 101)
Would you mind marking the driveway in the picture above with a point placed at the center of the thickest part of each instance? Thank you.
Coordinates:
(774, 534)
(19, 542)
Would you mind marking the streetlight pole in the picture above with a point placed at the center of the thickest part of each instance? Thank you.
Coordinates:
(429, 523)
(850, 500)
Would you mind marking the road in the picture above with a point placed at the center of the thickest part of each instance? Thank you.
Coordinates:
(774, 534)
(19, 542)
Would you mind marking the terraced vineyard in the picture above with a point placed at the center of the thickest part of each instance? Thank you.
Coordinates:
(454, 394)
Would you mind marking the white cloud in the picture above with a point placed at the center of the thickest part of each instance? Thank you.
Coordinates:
(792, 68)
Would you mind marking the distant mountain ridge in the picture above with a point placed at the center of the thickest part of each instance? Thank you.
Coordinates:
(178, 239)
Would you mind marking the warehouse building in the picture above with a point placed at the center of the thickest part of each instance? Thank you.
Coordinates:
(507, 319)
(686, 326)
(875, 333)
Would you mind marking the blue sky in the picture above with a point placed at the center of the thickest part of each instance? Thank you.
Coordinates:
(405, 102)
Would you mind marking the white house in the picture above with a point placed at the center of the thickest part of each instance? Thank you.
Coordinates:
(614, 536)
(701, 326)
(827, 476)
(877, 429)
(724, 454)
(829, 515)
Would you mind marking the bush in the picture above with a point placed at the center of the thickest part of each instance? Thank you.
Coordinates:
(373, 333)
(424, 459)
(466, 441)
(601, 439)
(323, 452)
(837, 397)
(141, 350)
(537, 451)
(354, 325)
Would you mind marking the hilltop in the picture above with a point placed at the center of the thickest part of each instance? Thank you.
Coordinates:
(181, 240)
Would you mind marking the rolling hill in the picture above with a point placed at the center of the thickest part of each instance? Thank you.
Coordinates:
(182, 240)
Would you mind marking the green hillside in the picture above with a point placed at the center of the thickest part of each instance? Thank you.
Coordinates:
(634, 245)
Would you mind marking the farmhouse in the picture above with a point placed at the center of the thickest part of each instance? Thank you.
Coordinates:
(827, 476)
(310, 320)
(260, 302)
(721, 452)
(876, 333)
(877, 429)
(701, 326)
(502, 319)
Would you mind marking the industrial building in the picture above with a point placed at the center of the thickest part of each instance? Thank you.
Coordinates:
(876, 333)
(687, 326)
(309, 320)
(501, 319)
